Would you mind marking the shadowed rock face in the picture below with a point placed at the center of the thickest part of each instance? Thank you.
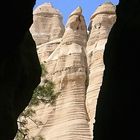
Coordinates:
(76, 29)
(117, 112)
(18, 57)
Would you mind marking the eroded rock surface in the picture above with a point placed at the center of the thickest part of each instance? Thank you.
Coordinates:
(45, 50)
(75, 64)
(67, 68)
(101, 22)
(47, 24)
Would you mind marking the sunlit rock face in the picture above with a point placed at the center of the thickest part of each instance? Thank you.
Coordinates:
(67, 68)
(47, 24)
(74, 62)
(45, 50)
(101, 22)
(75, 29)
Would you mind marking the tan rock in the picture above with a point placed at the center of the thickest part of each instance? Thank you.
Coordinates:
(45, 50)
(77, 11)
(101, 23)
(47, 24)
(76, 29)
(76, 67)
(106, 8)
(67, 68)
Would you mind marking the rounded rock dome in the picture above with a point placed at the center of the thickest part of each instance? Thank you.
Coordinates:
(46, 8)
(105, 8)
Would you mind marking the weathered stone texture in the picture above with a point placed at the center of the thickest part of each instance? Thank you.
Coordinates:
(75, 29)
(47, 24)
(67, 68)
(75, 64)
(101, 22)
(45, 50)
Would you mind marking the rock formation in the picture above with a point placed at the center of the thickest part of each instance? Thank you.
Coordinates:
(67, 66)
(47, 24)
(75, 64)
(101, 22)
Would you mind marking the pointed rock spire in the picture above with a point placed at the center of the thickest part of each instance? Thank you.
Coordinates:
(77, 11)
(76, 29)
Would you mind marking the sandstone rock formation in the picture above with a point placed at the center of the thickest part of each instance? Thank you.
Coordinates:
(101, 22)
(67, 66)
(45, 50)
(47, 24)
(75, 64)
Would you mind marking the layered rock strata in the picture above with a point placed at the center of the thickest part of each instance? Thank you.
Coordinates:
(45, 50)
(66, 66)
(101, 22)
(75, 64)
(47, 24)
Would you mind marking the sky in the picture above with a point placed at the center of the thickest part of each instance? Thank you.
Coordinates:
(67, 6)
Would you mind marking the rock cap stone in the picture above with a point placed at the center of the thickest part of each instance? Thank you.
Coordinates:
(46, 8)
(77, 11)
(105, 8)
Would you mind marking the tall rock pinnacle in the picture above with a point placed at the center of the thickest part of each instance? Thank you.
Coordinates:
(47, 24)
(76, 29)
(101, 22)
(66, 66)
(77, 11)
(74, 63)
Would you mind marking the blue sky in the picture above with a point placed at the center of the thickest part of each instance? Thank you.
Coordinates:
(67, 6)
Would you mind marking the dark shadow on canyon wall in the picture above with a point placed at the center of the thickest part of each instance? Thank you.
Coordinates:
(20, 69)
(118, 105)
